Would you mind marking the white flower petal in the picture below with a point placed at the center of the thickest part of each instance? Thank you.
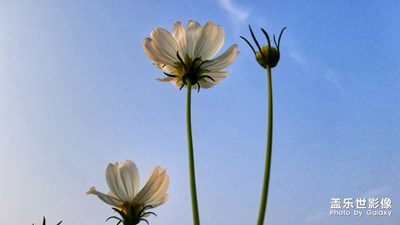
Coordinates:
(107, 198)
(176, 81)
(154, 53)
(169, 69)
(172, 71)
(165, 42)
(209, 42)
(130, 178)
(158, 197)
(161, 47)
(123, 180)
(193, 30)
(165, 79)
(154, 183)
(222, 61)
(150, 180)
(180, 36)
(160, 201)
(208, 83)
(112, 178)
(149, 188)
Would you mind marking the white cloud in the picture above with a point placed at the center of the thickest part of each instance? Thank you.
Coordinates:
(299, 59)
(234, 11)
(311, 65)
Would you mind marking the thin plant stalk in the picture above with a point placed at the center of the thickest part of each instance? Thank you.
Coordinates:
(193, 192)
(267, 170)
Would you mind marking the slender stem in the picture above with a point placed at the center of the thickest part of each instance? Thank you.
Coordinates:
(193, 192)
(267, 170)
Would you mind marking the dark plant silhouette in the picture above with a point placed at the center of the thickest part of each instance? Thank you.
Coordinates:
(44, 221)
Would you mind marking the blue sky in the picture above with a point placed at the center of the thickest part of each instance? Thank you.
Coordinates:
(77, 92)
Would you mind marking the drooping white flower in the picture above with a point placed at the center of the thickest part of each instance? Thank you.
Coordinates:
(187, 55)
(124, 195)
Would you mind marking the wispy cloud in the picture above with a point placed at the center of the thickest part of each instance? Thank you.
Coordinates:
(299, 59)
(332, 77)
(311, 65)
(235, 12)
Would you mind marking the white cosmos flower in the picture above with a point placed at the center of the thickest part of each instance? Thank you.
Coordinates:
(187, 55)
(124, 195)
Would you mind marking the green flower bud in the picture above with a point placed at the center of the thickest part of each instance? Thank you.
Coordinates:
(268, 56)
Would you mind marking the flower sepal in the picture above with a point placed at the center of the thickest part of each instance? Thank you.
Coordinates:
(132, 217)
(193, 71)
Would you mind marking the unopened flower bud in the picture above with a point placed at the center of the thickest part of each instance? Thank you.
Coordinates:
(268, 56)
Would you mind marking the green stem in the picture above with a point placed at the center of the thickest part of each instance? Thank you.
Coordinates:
(267, 170)
(193, 192)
